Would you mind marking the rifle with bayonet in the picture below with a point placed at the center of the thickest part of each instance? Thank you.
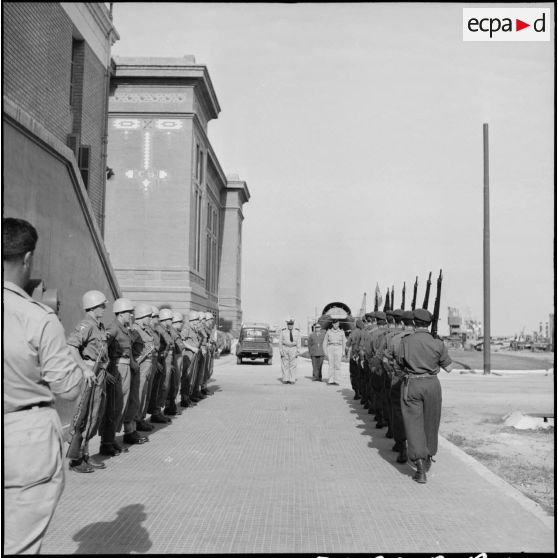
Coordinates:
(392, 298)
(427, 293)
(403, 297)
(386, 303)
(415, 289)
(436, 313)
(376, 301)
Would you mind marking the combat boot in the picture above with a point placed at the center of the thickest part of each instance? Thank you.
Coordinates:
(94, 463)
(80, 466)
(420, 475)
(143, 426)
(402, 457)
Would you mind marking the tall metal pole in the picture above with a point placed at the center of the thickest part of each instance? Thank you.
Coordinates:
(486, 254)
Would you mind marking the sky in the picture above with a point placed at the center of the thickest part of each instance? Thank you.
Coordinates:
(358, 129)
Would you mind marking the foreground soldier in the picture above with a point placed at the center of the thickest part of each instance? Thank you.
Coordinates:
(365, 357)
(165, 323)
(118, 375)
(353, 348)
(88, 345)
(37, 364)
(211, 332)
(191, 360)
(420, 356)
(396, 374)
(289, 349)
(377, 370)
(177, 350)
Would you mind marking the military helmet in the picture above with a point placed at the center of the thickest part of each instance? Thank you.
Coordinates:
(155, 311)
(193, 316)
(143, 310)
(209, 315)
(177, 317)
(91, 299)
(122, 305)
(165, 314)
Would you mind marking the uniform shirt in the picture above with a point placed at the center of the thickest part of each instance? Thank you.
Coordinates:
(119, 341)
(315, 343)
(156, 339)
(393, 348)
(365, 341)
(334, 337)
(376, 340)
(142, 341)
(285, 338)
(178, 345)
(90, 339)
(189, 337)
(165, 340)
(420, 353)
(354, 339)
(37, 361)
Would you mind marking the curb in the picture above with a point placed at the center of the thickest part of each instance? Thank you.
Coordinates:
(526, 502)
(498, 372)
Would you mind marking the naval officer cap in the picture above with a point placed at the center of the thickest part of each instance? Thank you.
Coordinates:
(422, 316)
(290, 321)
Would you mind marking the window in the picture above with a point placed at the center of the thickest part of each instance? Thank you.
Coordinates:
(198, 227)
(212, 255)
(84, 158)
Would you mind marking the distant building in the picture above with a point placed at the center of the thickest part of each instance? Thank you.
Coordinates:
(174, 219)
(56, 75)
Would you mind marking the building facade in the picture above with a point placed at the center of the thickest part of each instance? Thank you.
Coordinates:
(173, 219)
(56, 74)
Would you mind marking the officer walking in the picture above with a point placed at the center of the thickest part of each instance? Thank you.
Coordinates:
(316, 350)
(420, 356)
(334, 348)
(37, 365)
(88, 345)
(289, 349)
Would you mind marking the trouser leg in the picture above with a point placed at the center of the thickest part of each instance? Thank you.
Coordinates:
(432, 413)
(164, 388)
(126, 381)
(397, 425)
(158, 380)
(33, 477)
(413, 418)
(113, 404)
(185, 378)
(386, 403)
(285, 366)
(145, 389)
(79, 425)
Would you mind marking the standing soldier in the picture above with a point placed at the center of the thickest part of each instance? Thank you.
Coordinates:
(420, 355)
(316, 350)
(177, 350)
(118, 375)
(393, 328)
(37, 365)
(191, 360)
(165, 324)
(289, 349)
(196, 394)
(353, 350)
(405, 320)
(143, 347)
(88, 345)
(377, 370)
(334, 348)
(211, 346)
(158, 388)
(365, 357)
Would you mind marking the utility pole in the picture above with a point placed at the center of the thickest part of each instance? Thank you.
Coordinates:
(486, 254)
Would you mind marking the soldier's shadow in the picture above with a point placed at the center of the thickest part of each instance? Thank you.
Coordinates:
(124, 535)
(377, 436)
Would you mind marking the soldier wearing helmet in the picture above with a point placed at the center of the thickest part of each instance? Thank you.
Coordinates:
(142, 349)
(211, 343)
(150, 327)
(118, 375)
(158, 374)
(198, 375)
(161, 382)
(88, 345)
(190, 362)
(178, 349)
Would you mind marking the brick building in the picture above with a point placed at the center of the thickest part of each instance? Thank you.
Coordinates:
(173, 218)
(56, 77)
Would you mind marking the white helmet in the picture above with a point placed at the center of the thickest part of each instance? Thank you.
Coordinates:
(165, 314)
(193, 316)
(177, 317)
(122, 305)
(143, 310)
(92, 299)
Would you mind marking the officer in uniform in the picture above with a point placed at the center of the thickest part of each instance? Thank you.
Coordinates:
(334, 348)
(316, 350)
(420, 356)
(118, 375)
(178, 350)
(88, 345)
(353, 349)
(37, 365)
(404, 323)
(142, 348)
(289, 349)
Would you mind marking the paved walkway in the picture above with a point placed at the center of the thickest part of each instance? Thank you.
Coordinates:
(263, 467)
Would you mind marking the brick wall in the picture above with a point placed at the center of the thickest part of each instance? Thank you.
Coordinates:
(37, 58)
(37, 51)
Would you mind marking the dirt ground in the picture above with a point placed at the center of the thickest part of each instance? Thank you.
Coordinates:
(473, 411)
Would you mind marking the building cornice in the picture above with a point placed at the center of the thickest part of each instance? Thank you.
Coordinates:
(182, 70)
(102, 17)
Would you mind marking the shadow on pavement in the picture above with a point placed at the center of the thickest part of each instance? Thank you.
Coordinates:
(122, 536)
(377, 436)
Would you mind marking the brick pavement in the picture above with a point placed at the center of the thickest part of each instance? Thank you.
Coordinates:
(263, 467)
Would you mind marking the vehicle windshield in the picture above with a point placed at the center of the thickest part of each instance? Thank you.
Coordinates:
(254, 333)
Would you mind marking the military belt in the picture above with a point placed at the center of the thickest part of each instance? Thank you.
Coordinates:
(35, 406)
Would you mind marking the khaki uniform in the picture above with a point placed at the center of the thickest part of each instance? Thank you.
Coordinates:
(289, 349)
(37, 364)
(334, 347)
